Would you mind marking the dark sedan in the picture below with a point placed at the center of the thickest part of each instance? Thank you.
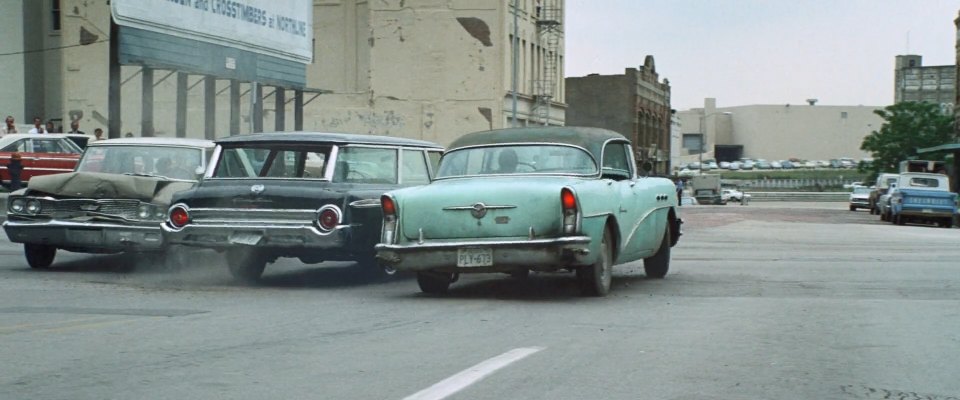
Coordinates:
(312, 196)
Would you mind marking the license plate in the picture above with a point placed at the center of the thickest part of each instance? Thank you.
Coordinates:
(475, 257)
(246, 238)
(928, 210)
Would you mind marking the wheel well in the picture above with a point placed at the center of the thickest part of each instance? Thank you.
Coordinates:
(614, 229)
(674, 227)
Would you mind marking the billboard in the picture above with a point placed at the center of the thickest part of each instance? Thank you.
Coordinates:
(277, 28)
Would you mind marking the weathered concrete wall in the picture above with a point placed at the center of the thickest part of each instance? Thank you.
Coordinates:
(602, 101)
(12, 31)
(430, 69)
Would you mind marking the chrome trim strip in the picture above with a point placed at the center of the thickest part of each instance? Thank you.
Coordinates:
(254, 210)
(636, 226)
(467, 208)
(365, 203)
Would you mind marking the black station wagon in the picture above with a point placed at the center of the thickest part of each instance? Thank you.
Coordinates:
(313, 196)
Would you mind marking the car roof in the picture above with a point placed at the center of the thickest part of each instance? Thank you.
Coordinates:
(591, 139)
(13, 137)
(164, 141)
(326, 137)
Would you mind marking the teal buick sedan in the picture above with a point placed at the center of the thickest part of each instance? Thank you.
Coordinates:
(540, 199)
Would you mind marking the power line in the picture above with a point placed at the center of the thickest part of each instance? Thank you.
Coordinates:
(52, 48)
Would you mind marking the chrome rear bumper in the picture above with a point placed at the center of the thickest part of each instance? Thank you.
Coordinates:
(544, 254)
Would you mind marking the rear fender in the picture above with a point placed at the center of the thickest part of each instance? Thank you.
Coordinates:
(594, 226)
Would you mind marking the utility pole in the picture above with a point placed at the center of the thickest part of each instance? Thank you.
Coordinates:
(516, 56)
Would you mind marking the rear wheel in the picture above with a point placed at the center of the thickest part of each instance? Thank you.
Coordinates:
(852, 208)
(948, 223)
(898, 219)
(246, 265)
(657, 265)
(39, 255)
(595, 279)
(434, 282)
(371, 267)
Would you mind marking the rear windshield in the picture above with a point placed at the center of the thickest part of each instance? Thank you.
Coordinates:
(924, 183)
(517, 160)
(273, 161)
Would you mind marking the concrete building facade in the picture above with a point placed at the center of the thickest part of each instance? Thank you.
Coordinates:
(776, 132)
(430, 70)
(915, 82)
(636, 104)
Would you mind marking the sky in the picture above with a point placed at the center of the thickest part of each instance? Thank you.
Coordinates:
(745, 52)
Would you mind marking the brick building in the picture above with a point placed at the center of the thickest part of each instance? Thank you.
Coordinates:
(635, 104)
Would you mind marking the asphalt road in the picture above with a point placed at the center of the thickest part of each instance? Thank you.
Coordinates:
(766, 301)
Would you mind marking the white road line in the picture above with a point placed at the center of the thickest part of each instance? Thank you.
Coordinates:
(474, 374)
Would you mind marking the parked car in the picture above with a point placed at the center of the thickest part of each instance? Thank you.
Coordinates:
(852, 185)
(879, 189)
(747, 165)
(776, 164)
(113, 202)
(724, 165)
(787, 164)
(39, 154)
(734, 166)
(544, 199)
(307, 195)
(762, 164)
(921, 197)
(727, 195)
(688, 201)
(860, 198)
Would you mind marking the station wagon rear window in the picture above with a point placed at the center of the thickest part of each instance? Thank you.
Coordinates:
(517, 160)
(273, 161)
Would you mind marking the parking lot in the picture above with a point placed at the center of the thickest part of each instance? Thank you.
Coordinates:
(769, 300)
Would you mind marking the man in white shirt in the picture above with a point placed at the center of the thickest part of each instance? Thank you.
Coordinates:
(9, 126)
(37, 126)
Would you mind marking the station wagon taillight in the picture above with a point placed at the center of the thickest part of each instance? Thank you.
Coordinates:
(568, 202)
(179, 216)
(328, 217)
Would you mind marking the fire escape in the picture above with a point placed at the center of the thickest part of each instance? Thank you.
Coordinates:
(549, 16)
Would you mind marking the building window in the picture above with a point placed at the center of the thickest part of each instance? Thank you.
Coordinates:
(55, 14)
(693, 142)
(843, 114)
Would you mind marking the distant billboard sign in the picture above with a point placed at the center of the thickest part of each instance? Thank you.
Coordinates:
(279, 28)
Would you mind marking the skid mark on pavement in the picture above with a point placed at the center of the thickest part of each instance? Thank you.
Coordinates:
(865, 392)
(63, 325)
(474, 374)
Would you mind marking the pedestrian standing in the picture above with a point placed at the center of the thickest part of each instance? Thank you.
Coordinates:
(75, 127)
(98, 134)
(679, 192)
(52, 127)
(9, 126)
(37, 126)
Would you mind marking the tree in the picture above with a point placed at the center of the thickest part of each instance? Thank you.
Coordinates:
(908, 126)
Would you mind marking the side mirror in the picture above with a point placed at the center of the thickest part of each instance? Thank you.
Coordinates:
(199, 171)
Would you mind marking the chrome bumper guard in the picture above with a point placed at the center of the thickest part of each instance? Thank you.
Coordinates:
(549, 253)
(290, 235)
(86, 235)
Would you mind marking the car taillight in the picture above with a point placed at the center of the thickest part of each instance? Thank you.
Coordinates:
(179, 217)
(568, 201)
(389, 207)
(328, 217)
